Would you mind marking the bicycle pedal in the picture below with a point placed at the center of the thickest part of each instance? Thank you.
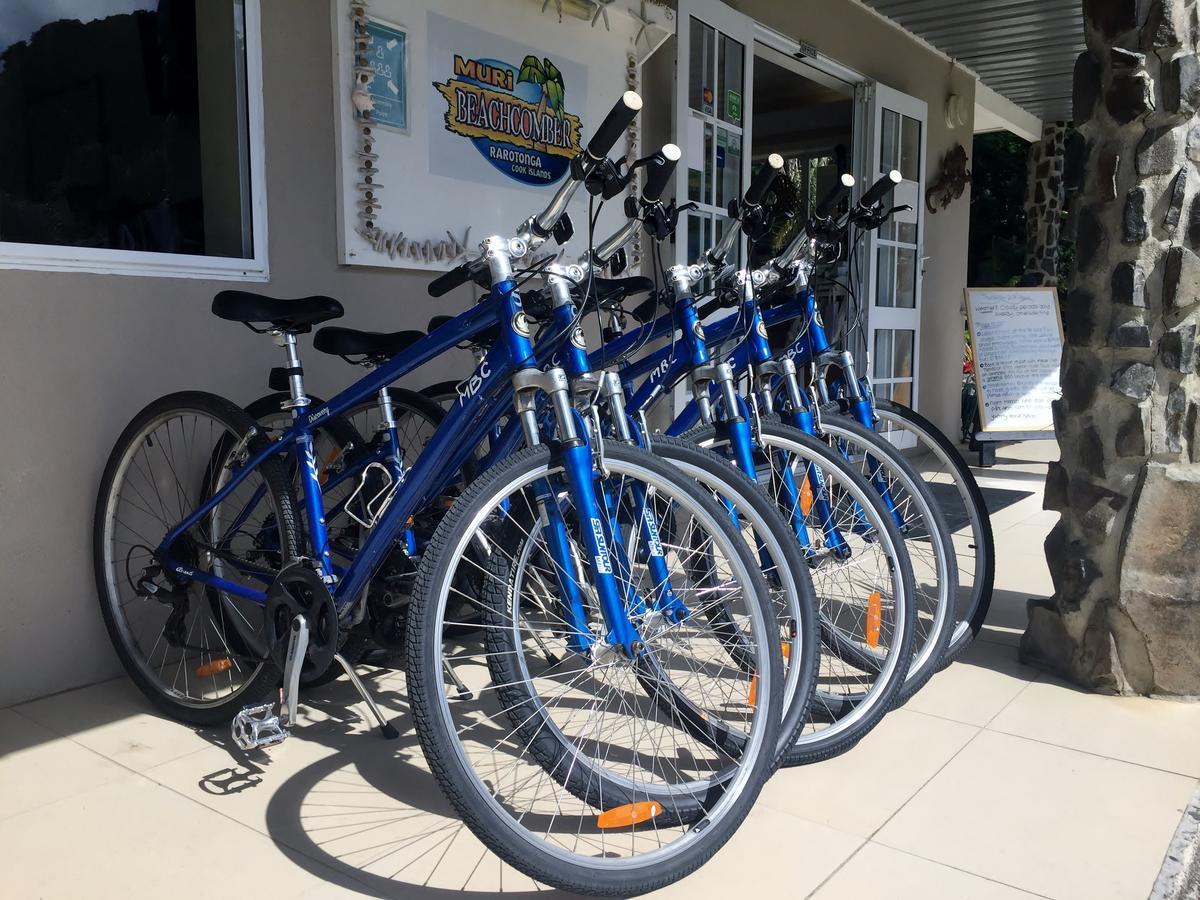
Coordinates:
(257, 727)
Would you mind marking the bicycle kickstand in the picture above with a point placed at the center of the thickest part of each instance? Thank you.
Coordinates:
(386, 728)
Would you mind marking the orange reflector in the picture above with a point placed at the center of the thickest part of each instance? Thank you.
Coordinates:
(806, 497)
(874, 618)
(629, 814)
(216, 667)
(786, 649)
(753, 699)
(330, 460)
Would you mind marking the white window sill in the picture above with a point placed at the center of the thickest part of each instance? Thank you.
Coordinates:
(44, 258)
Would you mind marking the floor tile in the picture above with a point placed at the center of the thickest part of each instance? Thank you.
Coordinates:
(1026, 510)
(857, 791)
(975, 687)
(876, 870)
(39, 767)
(1158, 733)
(1023, 541)
(773, 854)
(134, 839)
(336, 792)
(1007, 617)
(115, 720)
(1055, 822)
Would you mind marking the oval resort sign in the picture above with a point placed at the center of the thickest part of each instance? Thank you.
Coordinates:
(515, 116)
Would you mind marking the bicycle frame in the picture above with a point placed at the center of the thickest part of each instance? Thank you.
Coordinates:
(465, 425)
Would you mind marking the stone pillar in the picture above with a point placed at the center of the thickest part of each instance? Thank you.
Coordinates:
(1125, 555)
(1044, 204)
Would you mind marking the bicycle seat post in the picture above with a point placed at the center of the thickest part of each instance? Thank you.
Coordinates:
(294, 371)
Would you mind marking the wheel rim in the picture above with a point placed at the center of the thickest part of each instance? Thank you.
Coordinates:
(846, 695)
(936, 584)
(936, 466)
(641, 850)
(224, 628)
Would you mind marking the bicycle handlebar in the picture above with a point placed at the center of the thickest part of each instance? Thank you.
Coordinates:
(614, 125)
(761, 183)
(662, 167)
(829, 203)
(457, 276)
(754, 194)
(659, 170)
(880, 189)
(602, 141)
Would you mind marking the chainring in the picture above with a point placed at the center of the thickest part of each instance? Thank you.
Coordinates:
(298, 590)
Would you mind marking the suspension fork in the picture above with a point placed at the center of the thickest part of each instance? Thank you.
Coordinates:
(862, 410)
(576, 455)
(802, 417)
(664, 598)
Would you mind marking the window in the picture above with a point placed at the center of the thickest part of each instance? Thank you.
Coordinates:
(132, 137)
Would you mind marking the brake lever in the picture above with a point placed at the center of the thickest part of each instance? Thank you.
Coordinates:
(606, 179)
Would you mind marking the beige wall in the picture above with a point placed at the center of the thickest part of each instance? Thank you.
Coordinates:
(80, 353)
(856, 37)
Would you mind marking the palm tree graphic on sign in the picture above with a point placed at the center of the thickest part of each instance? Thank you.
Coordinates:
(546, 75)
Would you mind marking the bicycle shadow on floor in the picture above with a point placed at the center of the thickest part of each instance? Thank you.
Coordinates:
(362, 811)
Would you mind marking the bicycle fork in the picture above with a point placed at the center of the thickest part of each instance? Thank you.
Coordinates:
(785, 371)
(595, 525)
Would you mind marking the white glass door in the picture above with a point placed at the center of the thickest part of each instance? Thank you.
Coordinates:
(895, 250)
(712, 118)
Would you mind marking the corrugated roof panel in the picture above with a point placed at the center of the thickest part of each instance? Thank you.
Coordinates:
(1023, 49)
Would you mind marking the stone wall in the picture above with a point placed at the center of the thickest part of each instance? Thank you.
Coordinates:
(1125, 555)
(1044, 204)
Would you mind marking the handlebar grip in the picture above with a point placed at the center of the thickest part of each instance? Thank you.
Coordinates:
(880, 189)
(448, 281)
(763, 178)
(614, 125)
(834, 197)
(659, 171)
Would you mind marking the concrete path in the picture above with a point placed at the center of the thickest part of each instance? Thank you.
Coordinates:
(994, 782)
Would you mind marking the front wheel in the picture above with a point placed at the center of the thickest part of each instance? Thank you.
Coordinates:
(926, 537)
(863, 578)
(579, 765)
(959, 496)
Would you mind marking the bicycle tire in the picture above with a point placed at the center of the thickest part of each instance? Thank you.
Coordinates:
(852, 718)
(266, 675)
(588, 873)
(930, 648)
(974, 614)
(803, 654)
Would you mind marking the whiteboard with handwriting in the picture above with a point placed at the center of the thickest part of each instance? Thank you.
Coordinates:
(1017, 336)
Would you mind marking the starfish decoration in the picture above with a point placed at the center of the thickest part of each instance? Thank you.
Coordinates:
(602, 11)
(557, 6)
(644, 18)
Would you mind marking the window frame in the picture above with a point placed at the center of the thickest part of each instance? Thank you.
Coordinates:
(108, 261)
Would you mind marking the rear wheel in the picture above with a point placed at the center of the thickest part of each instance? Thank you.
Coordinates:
(197, 653)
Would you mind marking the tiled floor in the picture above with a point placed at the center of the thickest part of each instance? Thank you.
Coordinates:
(994, 782)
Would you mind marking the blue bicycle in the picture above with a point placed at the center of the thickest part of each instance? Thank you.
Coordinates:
(563, 343)
(600, 727)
